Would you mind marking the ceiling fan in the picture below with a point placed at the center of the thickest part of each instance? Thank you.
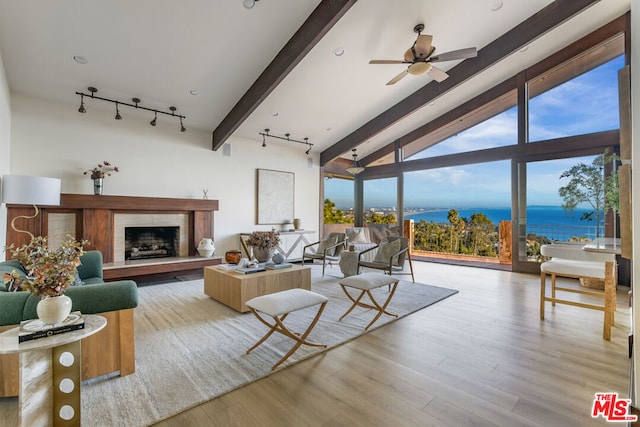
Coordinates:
(420, 58)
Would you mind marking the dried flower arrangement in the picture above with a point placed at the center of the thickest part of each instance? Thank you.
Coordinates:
(103, 169)
(264, 239)
(48, 272)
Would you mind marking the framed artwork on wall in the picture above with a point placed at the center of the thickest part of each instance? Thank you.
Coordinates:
(275, 196)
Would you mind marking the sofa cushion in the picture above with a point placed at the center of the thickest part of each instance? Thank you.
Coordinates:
(357, 235)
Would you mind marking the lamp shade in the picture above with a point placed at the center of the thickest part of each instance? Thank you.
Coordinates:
(30, 190)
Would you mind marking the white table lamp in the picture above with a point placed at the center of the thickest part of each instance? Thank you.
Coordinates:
(30, 190)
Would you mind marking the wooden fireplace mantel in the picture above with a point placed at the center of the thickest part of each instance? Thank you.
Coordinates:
(94, 218)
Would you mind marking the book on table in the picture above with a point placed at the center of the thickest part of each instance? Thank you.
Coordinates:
(278, 266)
(36, 328)
(249, 270)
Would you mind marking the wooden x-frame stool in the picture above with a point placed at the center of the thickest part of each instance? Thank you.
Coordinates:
(365, 282)
(278, 306)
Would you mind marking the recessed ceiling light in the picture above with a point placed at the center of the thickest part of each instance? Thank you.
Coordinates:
(496, 6)
(328, 129)
(275, 114)
(432, 103)
(524, 49)
(338, 51)
(194, 92)
(80, 59)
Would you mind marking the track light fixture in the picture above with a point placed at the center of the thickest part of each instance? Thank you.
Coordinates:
(356, 168)
(286, 137)
(92, 91)
(248, 4)
(82, 109)
(118, 116)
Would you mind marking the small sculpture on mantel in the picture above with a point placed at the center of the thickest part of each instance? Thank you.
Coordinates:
(206, 248)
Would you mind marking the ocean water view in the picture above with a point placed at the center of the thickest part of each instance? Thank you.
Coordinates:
(550, 221)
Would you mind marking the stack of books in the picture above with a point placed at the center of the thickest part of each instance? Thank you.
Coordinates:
(34, 329)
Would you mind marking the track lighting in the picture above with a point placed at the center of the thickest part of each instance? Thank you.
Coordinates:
(118, 116)
(92, 91)
(286, 137)
(356, 168)
(81, 109)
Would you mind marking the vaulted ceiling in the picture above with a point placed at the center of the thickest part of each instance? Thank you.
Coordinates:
(277, 66)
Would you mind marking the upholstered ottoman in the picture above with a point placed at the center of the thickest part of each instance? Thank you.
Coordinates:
(365, 283)
(278, 306)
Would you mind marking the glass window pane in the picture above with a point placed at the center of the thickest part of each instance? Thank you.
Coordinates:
(585, 104)
(458, 210)
(498, 131)
(546, 219)
(380, 200)
(338, 195)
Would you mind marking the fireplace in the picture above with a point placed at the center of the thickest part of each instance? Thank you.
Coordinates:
(151, 242)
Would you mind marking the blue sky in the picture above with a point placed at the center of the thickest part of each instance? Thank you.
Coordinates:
(587, 103)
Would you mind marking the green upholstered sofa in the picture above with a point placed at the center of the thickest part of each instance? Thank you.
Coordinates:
(110, 350)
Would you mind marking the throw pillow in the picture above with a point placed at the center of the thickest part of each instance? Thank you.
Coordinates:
(329, 241)
(386, 250)
(357, 235)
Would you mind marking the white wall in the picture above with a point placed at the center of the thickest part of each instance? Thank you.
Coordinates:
(53, 139)
(5, 143)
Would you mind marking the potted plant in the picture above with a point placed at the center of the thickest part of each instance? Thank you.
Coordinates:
(263, 244)
(98, 173)
(47, 273)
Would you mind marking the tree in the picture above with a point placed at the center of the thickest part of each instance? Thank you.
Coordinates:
(333, 215)
(455, 229)
(482, 234)
(587, 184)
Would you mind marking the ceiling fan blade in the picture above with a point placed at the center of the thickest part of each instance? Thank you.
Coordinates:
(386, 61)
(422, 46)
(469, 52)
(437, 74)
(397, 78)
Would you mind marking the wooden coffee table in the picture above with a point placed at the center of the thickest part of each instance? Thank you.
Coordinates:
(234, 289)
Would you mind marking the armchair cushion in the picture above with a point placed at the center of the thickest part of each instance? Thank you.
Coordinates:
(328, 243)
(386, 250)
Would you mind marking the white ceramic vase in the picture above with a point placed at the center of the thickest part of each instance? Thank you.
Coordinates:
(206, 248)
(53, 310)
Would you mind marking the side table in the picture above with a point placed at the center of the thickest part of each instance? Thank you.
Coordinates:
(50, 374)
(349, 263)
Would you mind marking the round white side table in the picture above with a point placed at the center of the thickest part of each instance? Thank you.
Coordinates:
(50, 374)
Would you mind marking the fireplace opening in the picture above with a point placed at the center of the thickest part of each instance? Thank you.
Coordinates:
(150, 242)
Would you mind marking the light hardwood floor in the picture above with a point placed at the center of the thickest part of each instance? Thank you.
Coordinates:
(481, 357)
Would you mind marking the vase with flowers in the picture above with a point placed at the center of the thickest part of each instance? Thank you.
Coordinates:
(46, 274)
(263, 244)
(98, 174)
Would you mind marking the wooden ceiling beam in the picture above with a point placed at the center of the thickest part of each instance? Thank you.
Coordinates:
(522, 34)
(321, 20)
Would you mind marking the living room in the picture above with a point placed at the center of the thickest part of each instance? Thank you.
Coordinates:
(47, 136)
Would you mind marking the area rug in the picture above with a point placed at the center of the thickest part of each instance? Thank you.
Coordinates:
(191, 349)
